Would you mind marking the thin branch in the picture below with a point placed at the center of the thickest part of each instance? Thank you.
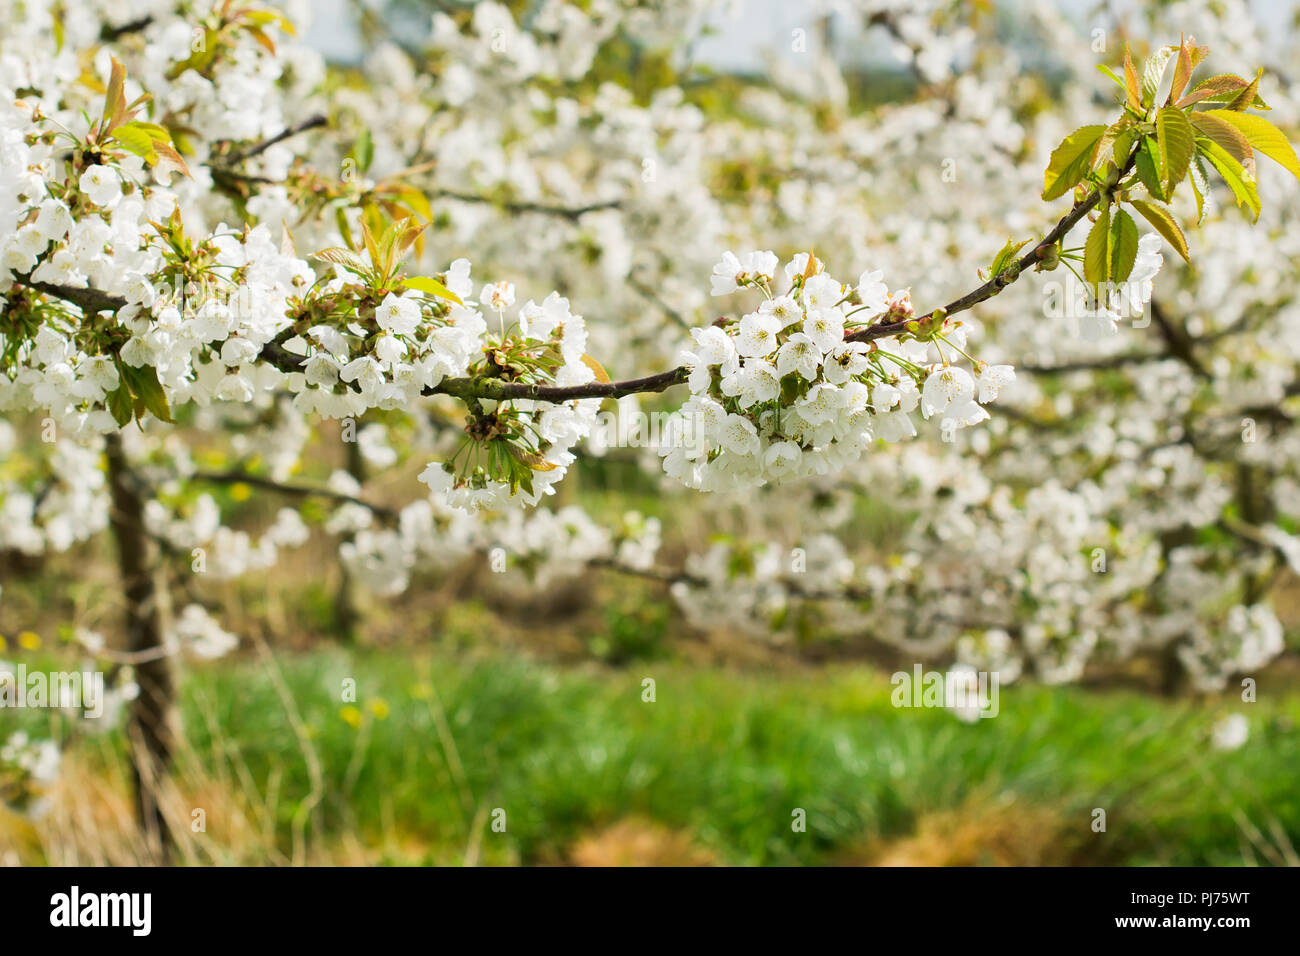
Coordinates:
(1106, 363)
(572, 213)
(497, 390)
(88, 300)
(1179, 342)
(291, 490)
(650, 295)
(312, 122)
(108, 34)
(999, 282)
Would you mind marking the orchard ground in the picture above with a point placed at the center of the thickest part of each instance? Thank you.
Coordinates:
(474, 708)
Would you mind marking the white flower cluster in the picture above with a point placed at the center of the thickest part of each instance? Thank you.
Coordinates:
(71, 506)
(1129, 298)
(785, 393)
(412, 348)
(207, 347)
(215, 549)
(543, 545)
(196, 632)
(554, 427)
(1250, 638)
(35, 764)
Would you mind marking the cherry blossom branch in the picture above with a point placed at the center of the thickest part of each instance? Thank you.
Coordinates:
(90, 301)
(297, 491)
(498, 390)
(998, 282)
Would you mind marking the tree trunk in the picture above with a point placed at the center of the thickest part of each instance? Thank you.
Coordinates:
(151, 721)
(347, 614)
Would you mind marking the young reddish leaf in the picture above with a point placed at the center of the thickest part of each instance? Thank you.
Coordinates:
(1247, 96)
(1131, 83)
(1219, 85)
(601, 375)
(1182, 71)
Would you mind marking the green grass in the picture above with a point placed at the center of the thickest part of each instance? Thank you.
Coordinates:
(730, 756)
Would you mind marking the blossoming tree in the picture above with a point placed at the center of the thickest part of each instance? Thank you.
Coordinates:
(206, 235)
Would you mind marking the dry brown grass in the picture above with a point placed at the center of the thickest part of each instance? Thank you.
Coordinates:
(637, 842)
(996, 834)
(88, 820)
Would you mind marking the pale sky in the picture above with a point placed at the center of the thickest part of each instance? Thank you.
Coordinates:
(746, 29)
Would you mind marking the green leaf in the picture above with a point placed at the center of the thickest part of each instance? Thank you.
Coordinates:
(417, 201)
(1154, 71)
(1200, 186)
(262, 18)
(1004, 258)
(1096, 250)
(1164, 223)
(1111, 73)
(343, 257)
(1257, 104)
(431, 287)
(1114, 143)
(1070, 161)
(153, 130)
(1123, 244)
(1247, 96)
(146, 389)
(1234, 174)
(363, 150)
(1149, 167)
(1210, 125)
(1263, 136)
(530, 458)
(372, 247)
(136, 141)
(120, 404)
(341, 220)
(1177, 144)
